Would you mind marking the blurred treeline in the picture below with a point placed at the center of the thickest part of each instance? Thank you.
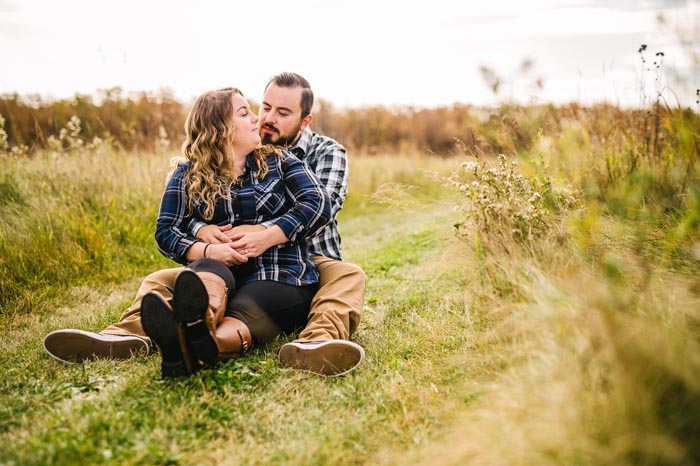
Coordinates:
(133, 121)
(144, 122)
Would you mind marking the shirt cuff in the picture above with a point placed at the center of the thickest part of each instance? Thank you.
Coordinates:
(183, 246)
(291, 229)
(195, 226)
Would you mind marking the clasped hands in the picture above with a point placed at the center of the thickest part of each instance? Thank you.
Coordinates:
(235, 245)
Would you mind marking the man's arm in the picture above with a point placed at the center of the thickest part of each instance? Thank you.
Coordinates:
(329, 163)
(309, 213)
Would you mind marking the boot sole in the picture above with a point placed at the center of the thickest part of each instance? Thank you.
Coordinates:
(160, 325)
(190, 305)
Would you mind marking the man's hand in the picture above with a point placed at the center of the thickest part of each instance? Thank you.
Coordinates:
(256, 242)
(215, 234)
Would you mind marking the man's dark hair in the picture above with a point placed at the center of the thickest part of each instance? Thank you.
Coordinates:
(287, 79)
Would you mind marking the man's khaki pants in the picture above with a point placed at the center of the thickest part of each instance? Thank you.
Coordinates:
(335, 310)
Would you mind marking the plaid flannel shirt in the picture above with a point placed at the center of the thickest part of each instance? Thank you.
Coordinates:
(290, 196)
(328, 160)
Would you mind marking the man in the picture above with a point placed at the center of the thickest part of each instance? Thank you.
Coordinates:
(323, 346)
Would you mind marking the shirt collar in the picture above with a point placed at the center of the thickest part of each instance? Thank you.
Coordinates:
(249, 164)
(302, 146)
(249, 160)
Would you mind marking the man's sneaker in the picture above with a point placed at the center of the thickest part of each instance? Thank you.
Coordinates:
(70, 345)
(329, 358)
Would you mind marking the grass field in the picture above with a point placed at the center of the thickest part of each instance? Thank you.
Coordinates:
(557, 324)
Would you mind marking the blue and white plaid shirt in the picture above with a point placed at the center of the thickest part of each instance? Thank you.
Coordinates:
(329, 162)
(290, 196)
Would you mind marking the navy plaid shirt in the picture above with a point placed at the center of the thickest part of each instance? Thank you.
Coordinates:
(290, 196)
(328, 160)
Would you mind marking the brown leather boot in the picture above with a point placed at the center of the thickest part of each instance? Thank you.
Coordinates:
(160, 325)
(233, 339)
(199, 303)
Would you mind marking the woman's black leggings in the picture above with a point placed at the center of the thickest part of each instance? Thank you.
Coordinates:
(268, 308)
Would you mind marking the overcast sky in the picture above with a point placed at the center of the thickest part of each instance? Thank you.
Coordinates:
(354, 52)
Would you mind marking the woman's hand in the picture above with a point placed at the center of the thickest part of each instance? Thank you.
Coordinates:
(226, 253)
(245, 229)
(235, 245)
(254, 243)
(216, 234)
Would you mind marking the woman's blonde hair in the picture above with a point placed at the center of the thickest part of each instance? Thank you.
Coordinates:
(208, 130)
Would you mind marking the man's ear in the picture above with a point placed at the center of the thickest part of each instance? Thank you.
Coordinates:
(306, 122)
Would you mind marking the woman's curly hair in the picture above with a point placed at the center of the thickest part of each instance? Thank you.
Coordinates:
(208, 130)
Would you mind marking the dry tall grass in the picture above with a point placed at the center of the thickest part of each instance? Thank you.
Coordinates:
(598, 313)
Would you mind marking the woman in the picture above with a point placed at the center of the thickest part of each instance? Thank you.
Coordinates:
(233, 294)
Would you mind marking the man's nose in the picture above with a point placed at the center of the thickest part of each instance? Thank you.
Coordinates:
(268, 118)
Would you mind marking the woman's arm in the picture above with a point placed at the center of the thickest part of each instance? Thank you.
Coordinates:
(172, 237)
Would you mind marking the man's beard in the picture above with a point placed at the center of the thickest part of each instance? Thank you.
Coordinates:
(282, 140)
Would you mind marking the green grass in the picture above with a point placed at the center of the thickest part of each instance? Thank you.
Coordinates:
(249, 411)
(577, 346)
(69, 218)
